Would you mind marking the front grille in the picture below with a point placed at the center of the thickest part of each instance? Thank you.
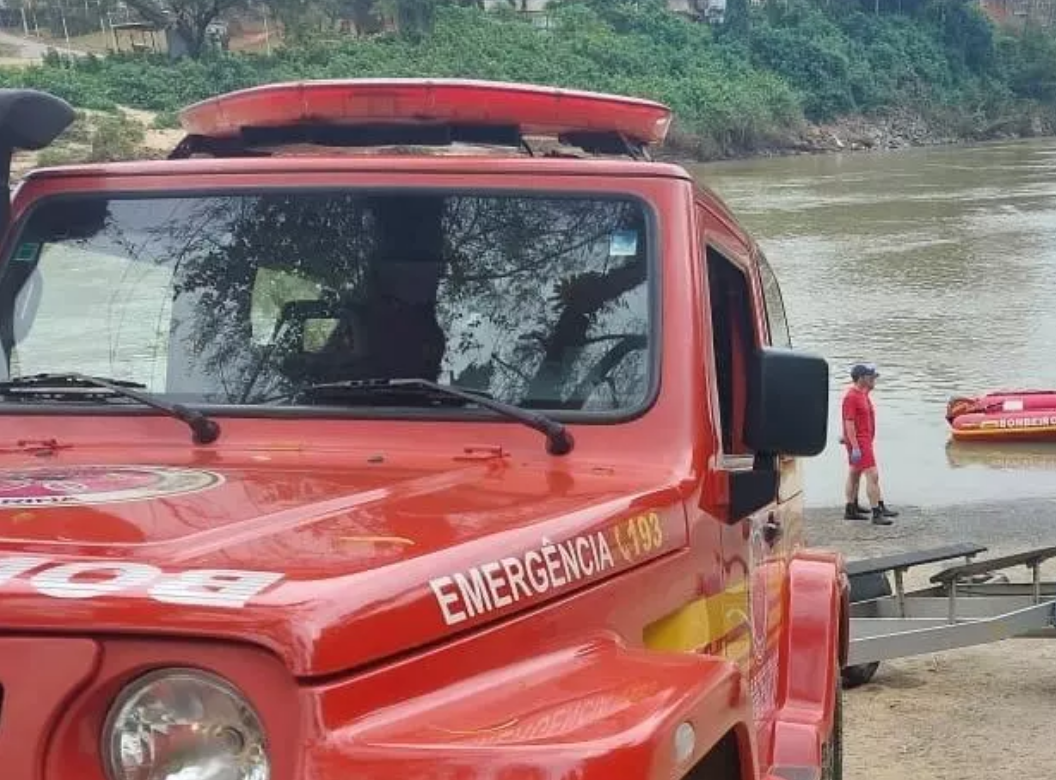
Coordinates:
(37, 677)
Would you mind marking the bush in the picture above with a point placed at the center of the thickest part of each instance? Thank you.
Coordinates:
(96, 138)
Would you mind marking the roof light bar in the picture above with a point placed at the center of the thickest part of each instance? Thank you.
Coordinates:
(534, 109)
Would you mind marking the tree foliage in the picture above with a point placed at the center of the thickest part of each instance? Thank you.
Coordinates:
(764, 70)
(188, 19)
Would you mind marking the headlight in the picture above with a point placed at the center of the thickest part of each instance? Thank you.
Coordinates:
(181, 724)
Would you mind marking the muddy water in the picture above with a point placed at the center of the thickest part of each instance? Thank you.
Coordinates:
(939, 265)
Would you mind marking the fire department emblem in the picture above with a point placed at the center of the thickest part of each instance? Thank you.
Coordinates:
(43, 487)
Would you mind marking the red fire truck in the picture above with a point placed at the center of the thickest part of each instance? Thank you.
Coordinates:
(403, 429)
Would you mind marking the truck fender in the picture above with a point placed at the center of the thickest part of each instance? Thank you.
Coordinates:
(813, 650)
(592, 711)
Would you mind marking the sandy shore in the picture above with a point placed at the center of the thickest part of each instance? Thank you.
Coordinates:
(985, 712)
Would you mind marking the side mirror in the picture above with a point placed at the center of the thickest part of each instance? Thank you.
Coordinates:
(788, 403)
(29, 120)
(787, 414)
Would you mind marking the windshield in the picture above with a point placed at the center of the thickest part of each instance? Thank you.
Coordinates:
(243, 298)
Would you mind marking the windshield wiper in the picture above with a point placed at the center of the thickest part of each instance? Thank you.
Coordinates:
(558, 439)
(205, 430)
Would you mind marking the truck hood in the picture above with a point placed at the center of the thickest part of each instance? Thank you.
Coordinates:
(329, 566)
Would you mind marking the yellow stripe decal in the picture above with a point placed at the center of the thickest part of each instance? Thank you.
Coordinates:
(700, 622)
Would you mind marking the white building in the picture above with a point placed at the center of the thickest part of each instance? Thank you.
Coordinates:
(695, 8)
(522, 5)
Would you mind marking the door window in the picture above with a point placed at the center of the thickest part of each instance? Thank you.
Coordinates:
(733, 341)
(775, 306)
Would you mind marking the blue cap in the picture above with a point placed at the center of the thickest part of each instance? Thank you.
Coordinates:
(863, 369)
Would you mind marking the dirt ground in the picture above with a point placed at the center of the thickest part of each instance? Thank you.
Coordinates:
(983, 712)
(980, 712)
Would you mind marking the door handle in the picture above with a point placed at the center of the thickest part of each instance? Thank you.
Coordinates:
(772, 530)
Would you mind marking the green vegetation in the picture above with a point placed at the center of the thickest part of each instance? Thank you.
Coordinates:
(747, 83)
(98, 138)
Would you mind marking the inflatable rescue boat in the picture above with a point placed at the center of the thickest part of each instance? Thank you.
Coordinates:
(1008, 415)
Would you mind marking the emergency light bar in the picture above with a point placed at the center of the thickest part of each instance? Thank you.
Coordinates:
(535, 110)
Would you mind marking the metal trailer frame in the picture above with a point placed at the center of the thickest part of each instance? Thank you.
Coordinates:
(967, 604)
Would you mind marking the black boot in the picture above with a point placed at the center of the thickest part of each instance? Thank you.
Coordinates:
(879, 518)
(854, 512)
(887, 512)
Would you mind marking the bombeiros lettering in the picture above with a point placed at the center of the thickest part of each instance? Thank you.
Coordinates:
(1042, 421)
(553, 566)
(230, 588)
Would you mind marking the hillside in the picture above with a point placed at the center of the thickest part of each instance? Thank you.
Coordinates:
(781, 76)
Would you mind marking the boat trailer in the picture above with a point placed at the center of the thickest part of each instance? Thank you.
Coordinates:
(970, 603)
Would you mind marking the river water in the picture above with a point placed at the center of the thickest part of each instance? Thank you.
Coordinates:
(938, 264)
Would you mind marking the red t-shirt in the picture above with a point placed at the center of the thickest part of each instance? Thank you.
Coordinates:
(858, 407)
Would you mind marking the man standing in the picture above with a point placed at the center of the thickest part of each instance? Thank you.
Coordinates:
(859, 431)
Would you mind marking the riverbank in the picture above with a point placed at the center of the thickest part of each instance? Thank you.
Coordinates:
(1003, 526)
(899, 129)
(978, 712)
(156, 133)
(903, 130)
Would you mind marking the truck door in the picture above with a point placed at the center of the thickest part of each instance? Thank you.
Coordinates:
(790, 494)
(753, 553)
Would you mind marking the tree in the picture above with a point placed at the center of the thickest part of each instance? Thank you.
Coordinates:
(417, 17)
(187, 20)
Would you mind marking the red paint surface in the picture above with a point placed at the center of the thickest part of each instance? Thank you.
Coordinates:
(348, 658)
(534, 109)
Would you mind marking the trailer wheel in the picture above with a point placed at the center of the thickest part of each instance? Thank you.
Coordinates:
(832, 750)
(853, 676)
(865, 587)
